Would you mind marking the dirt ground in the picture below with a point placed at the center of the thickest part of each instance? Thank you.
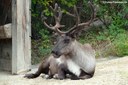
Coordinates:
(108, 72)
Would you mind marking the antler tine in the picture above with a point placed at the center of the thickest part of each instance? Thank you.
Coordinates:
(56, 7)
(48, 25)
(73, 15)
(60, 14)
(77, 15)
(93, 13)
(86, 23)
(43, 19)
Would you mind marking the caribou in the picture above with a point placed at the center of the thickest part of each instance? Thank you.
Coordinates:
(79, 58)
(69, 56)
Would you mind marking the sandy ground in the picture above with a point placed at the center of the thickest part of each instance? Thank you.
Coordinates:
(108, 72)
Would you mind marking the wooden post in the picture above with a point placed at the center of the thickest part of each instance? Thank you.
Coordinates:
(21, 41)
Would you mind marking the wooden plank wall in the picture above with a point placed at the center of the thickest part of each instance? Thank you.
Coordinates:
(21, 40)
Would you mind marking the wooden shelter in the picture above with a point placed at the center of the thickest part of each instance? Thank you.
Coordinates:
(15, 35)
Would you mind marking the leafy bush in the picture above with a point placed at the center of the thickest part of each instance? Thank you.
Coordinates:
(41, 47)
(121, 44)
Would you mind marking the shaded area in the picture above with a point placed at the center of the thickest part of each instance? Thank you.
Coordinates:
(5, 12)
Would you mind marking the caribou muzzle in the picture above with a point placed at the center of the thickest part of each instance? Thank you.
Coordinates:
(56, 54)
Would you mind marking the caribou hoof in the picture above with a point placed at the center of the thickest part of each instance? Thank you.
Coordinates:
(29, 76)
(46, 77)
(56, 76)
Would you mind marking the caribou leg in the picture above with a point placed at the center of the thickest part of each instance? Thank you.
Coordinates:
(43, 68)
(62, 71)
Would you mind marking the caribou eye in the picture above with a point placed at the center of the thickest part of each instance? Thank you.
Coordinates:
(66, 40)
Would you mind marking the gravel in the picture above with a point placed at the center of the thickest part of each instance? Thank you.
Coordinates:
(108, 72)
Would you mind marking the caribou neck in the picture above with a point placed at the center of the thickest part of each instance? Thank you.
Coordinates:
(83, 57)
(76, 48)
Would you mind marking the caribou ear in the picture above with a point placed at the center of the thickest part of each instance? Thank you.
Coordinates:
(73, 36)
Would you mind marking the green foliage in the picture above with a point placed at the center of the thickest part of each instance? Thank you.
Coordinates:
(42, 47)
(121, 44)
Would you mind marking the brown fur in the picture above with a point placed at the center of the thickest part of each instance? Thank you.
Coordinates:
(48, 66)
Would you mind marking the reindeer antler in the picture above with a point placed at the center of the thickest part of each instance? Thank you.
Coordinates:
(78, 25)
(57, 13)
